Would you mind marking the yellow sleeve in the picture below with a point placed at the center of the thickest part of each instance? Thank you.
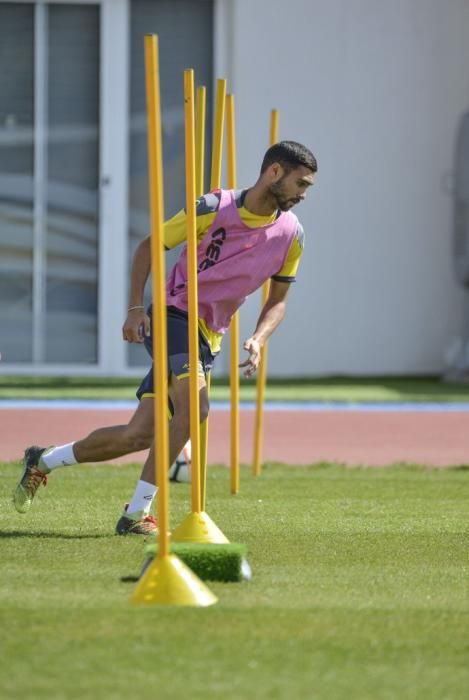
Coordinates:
(175, 228)
(290, 266)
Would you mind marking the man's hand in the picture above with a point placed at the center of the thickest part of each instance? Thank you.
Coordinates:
(136, 326)
(252, 363)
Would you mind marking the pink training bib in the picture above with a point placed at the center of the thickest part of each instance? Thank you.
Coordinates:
(233, 261)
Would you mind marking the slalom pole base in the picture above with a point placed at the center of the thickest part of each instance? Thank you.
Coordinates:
(198, 528)
(168, 581)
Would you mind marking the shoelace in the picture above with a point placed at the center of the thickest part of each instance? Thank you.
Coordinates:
(35, 479)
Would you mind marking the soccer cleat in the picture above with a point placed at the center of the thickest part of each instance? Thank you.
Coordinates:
(146, 525)
(31, 478)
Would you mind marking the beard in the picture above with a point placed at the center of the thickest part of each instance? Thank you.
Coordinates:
(279, 194)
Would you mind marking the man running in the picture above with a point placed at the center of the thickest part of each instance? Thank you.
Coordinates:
(245, 237)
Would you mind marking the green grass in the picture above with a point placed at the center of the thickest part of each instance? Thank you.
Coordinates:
(302, 389)
(360, 590)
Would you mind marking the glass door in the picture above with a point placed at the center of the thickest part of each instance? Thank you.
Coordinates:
(49, 182)
(16, 181)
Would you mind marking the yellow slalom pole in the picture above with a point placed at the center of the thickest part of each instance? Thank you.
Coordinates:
(167, 581)
(192, 287)
(262, 372)
(217, 145)
(234, 326)
(160, 369)
(197, 527)
(215, 182)
(273, 132)
(200, 101)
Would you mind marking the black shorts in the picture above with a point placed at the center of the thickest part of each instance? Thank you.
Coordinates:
(178, 350)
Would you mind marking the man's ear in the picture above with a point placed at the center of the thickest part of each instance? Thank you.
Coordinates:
(276, 172)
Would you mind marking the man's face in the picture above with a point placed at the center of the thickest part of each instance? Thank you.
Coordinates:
(290, 188)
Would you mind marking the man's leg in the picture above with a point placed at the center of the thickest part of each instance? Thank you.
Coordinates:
(100, 445)
(179, 426)
(118, 440)
(136, 518)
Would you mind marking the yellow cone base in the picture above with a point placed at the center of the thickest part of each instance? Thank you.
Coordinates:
(168, 581)
(198, 528)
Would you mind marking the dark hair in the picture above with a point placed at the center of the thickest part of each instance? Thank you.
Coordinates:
(290, 155)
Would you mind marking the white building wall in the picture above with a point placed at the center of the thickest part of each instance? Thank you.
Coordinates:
(376, 90)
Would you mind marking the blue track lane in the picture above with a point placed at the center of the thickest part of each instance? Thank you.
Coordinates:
(391, 407)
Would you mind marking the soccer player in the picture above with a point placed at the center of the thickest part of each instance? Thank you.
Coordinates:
(244, 238)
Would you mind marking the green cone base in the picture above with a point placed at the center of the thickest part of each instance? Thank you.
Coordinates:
(210, 562)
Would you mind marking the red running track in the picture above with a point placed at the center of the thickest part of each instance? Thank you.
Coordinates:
(297, 437)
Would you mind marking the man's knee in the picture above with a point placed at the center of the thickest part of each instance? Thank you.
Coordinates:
(181, 402)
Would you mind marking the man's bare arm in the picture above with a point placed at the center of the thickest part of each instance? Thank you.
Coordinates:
(137, 323)
(270, 317)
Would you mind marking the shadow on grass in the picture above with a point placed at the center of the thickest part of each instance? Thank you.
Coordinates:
(52, 535)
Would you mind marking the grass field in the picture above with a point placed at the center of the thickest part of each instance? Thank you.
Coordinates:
(360, 590)
(377, 389)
